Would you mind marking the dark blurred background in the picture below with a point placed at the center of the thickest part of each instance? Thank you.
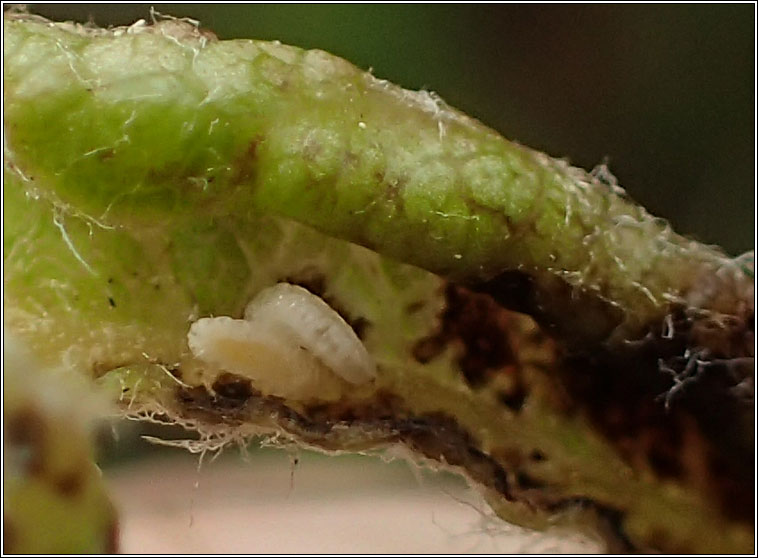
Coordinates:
(664, 93)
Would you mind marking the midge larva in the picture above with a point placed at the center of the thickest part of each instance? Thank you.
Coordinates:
(290, 344)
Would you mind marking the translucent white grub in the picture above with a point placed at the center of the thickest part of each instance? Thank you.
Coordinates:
(290, 343)
(312, 324)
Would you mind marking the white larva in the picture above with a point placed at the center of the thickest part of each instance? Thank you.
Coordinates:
(290, 343)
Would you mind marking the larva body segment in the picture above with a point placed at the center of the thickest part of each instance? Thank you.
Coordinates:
(246, 349)
(290, 344)
(296, 312)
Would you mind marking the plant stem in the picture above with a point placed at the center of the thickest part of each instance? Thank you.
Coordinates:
(155, 175)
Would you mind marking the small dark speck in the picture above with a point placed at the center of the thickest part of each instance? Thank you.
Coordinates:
(537, 455)
(110, 280)
(414, 307)
(111, 302)
(69, 484)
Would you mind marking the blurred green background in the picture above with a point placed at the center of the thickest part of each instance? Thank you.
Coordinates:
(665, 93)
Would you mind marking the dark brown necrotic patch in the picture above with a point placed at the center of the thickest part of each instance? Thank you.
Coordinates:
(383, 406)
(386, 420)
(439, 437)
(576, 317)
(233, 388)
(436, 436)
(198, 403)
(478, 327)
(685, 388)
(701, 436)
